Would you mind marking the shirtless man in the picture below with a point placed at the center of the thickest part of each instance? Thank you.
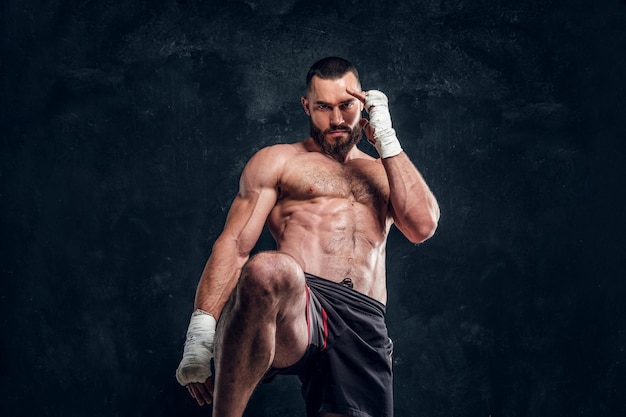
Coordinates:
(315, 307)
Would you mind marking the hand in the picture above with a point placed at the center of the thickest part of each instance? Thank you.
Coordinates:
(202, 392)
(365, 124)
(194, 370)
(378, 129)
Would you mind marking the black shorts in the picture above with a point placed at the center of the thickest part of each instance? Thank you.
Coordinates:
(347, 366)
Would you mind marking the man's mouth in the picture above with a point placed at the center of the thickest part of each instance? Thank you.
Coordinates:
(338, 132)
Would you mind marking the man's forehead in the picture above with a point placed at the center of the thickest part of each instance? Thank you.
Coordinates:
(333, 89)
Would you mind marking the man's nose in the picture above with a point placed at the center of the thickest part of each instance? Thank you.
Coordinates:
(336, 117)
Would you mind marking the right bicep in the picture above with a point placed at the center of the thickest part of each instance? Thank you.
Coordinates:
(246, 219)
(256, 197)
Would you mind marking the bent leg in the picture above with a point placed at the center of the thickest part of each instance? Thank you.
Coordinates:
(263, 325)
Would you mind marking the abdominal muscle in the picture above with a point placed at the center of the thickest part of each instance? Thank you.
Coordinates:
(333, 238)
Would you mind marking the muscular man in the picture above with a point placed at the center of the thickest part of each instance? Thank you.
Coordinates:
(314, 307)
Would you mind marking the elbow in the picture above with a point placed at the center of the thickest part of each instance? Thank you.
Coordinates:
(424, 231)
(419, 227)
(233, 247)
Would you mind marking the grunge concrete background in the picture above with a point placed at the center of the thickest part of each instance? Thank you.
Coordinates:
(124, 127)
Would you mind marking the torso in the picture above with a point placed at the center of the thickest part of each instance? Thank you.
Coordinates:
(333, 217)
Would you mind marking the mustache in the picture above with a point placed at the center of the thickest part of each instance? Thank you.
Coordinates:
(337, 128)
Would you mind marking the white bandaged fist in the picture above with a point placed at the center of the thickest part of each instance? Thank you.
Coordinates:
(196, 363)
(384, 136)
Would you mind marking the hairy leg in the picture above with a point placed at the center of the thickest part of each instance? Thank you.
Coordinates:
(263, 324)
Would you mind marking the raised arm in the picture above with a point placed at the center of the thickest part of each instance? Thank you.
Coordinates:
(413, 206)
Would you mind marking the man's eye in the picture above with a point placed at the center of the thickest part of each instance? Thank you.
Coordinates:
(322, 107)
(348, 105)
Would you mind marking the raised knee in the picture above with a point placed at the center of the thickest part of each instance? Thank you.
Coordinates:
(271, 274)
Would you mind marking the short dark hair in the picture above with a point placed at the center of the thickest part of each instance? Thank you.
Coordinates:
(330, 68)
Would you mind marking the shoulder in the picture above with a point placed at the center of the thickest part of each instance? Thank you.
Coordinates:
(267, 164)
(273, 157)
(278, 151)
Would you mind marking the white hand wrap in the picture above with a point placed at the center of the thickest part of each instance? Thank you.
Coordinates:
(385, 140)
(196, 363)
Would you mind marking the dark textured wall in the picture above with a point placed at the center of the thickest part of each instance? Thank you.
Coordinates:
(125, 125)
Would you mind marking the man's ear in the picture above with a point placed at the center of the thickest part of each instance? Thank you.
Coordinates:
(305, 105)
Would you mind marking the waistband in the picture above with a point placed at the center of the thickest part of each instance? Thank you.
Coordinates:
(344, 294)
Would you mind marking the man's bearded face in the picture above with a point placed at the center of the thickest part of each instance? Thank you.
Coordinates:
(331, 146)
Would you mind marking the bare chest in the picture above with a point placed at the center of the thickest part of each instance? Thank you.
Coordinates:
(361, 181)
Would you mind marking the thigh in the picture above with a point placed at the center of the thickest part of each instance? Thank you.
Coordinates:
(292, 327)
(281, 276)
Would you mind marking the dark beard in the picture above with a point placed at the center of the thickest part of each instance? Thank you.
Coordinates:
(338, 151)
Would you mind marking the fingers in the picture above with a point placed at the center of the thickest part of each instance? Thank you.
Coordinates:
(358, 94)
(202, 393)
(367, 128)
(192, 393)
(195, 393)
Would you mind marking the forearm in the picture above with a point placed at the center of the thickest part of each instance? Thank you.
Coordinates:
(220, 276)
(415, 208)
(216, 283)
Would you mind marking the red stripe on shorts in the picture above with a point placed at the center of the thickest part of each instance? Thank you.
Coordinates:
(308, 313)
(325, 321)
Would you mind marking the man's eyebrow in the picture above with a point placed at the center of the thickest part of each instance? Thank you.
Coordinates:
(350, 100)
